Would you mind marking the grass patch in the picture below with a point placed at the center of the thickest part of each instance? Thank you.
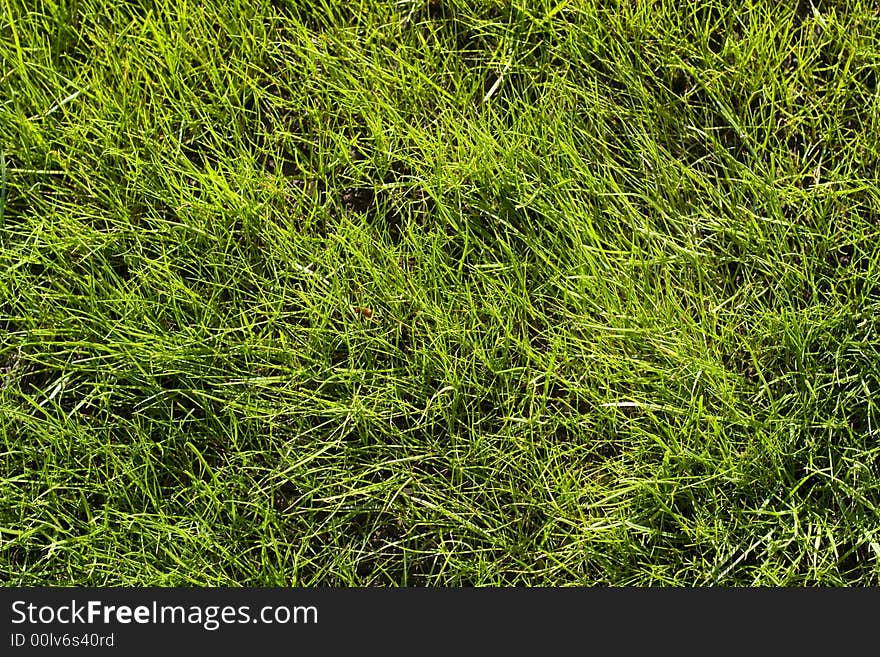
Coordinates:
(439, 293)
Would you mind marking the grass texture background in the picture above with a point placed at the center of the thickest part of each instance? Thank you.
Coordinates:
(444, 293)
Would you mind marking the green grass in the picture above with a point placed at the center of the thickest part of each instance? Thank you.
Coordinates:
(448, 292)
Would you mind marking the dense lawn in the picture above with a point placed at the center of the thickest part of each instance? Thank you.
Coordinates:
(447, 292)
